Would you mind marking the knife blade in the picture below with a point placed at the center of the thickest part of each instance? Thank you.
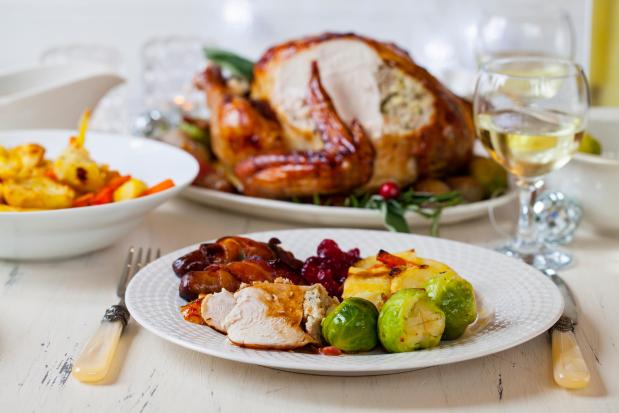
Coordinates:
(569, 367)
(569, 310)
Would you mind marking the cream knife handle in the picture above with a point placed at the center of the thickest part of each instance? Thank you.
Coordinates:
(96, 358)
(569, 367)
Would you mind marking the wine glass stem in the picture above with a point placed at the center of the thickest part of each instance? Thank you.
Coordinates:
(527, 239)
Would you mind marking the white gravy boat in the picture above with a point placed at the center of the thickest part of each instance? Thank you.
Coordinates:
(52, 96)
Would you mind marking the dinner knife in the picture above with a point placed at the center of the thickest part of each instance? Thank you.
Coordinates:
(568, 365)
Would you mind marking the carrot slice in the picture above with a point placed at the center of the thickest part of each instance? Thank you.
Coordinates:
(117, 182)
(84, 200)
(50, 174)
(161, 186)
(390, 260)
(104, 196)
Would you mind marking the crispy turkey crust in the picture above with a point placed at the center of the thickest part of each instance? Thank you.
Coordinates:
(442, 147)
(269, 152)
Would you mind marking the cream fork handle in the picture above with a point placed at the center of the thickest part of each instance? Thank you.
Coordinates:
(96, 358)
(568, 365)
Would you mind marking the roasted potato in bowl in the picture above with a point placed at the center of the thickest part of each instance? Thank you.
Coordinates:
(37, 192)
(29, 233)
(20, 161)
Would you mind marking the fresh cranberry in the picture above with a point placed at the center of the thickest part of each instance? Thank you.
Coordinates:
(389, 190)
(328, 248)
(329, 266)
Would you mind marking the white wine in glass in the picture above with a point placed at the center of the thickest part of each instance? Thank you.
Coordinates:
(531, 120)
(530, 145)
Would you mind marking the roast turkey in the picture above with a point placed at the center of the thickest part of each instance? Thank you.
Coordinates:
(336, 113)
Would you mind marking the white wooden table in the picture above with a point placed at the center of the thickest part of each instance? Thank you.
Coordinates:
(49, 309)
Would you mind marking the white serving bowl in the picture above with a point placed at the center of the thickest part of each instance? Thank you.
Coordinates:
(68, 232)
(593, 180)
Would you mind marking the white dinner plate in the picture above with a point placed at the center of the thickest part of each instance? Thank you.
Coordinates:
(519, 304)
(330, 215)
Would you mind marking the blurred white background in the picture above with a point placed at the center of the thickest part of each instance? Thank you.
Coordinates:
(438, 33)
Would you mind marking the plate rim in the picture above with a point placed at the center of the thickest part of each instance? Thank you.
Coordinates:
(193, 192)
(352, 369)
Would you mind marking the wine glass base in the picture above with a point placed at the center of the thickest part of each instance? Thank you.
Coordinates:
(546, 258)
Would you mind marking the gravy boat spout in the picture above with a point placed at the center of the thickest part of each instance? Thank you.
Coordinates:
(52, 96)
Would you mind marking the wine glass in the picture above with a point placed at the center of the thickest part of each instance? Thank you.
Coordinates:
(532, 32)
(170, 64)
(530, 114)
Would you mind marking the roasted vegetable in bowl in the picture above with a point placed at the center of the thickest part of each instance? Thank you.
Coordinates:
(38, 192)
(29, 181)
(410, 321)
(351, 327)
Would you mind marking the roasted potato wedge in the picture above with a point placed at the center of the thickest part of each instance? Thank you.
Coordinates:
(38, 192)
(7, 208)
(30, 156)
(372, 286)
(376, 281)
(418, 274)
(20, 161)
(131, 189)
(75, 168)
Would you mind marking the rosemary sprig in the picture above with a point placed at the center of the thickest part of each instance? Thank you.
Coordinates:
(427, 205)
(316, 199)
(236, 64)
(196, 133)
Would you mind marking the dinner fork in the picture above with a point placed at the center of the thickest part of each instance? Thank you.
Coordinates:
(96, 358)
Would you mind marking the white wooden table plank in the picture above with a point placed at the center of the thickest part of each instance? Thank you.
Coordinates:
(48, 310)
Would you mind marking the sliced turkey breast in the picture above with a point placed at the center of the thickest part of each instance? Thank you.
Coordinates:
(268, 315)
(215, 308)
(265, 315)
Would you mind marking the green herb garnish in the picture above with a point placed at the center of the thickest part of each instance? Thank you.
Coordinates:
(236, 64)
(316, 199)
(195, 132)
(429, 206)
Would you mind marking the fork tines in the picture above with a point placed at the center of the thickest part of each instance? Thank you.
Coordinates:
(132, 266)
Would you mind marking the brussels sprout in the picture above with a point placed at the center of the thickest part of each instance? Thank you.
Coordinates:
(410, 321)
(455, 296)
(490, 175)
(351, 327)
